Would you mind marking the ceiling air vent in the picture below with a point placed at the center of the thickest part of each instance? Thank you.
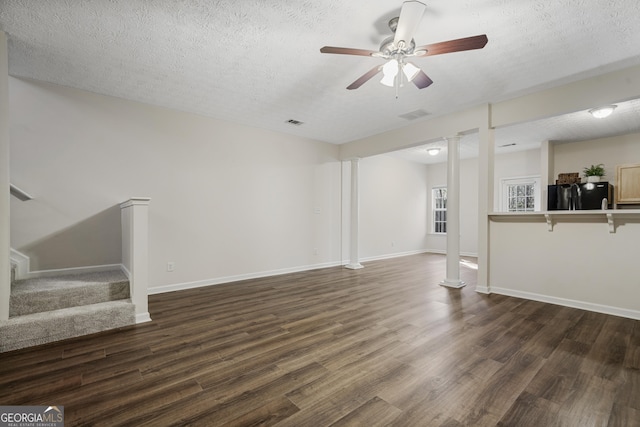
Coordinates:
(507, 145)
(295, 122)
(414, 115)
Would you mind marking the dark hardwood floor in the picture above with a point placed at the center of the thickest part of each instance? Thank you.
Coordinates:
(382, 346)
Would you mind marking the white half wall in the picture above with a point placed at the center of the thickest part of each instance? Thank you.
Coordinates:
(578, 264)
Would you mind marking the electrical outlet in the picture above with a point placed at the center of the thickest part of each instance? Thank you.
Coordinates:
(171, 266)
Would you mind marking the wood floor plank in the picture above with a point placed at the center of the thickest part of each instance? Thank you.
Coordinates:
(384, 345)
(501, 390)
(607, 355)
(375, 412)
(271, 413)
(530, 410)
(211, 408)
(628, 392)
(98, 412)
(623, 416)
(590, 403)
(555, 380)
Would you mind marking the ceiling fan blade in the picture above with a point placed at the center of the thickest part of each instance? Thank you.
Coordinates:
(467, 43)
(347, 51)
(410, 16)
(365, 77)
(421, 80)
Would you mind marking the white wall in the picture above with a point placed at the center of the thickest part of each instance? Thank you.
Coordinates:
(437, 177)
(514, 165)
(393, 206)
(510, 165)
(5, 270)
(226, 200)
(613, 151)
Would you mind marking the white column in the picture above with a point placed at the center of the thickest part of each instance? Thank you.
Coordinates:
(485, 202)
(546, 172)
(453, 215)
(135, 252)
(354, 260)
(5, 225)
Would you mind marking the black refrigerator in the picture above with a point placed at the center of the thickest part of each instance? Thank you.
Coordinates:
(583, 196)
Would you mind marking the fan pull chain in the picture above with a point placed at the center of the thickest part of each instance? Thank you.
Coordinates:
(398, 80)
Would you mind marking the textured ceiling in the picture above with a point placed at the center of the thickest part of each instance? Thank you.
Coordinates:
(578, 126)
(258, 62)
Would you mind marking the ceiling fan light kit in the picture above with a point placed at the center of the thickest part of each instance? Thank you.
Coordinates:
(395, 49)
(410, 70)
(389, 73)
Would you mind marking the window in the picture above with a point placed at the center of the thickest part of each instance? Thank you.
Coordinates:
(521, 194)
(439, 209)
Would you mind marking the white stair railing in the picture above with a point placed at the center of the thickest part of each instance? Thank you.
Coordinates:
(20, 194)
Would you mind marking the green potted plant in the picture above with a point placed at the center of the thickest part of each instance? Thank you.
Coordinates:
(594, 172)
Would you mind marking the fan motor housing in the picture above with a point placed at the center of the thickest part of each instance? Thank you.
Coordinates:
(389, 49)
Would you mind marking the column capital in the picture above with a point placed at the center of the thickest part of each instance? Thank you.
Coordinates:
(455, 137)
(135, 201)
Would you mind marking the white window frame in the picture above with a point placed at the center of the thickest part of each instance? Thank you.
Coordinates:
(505, 183)
(435, 209)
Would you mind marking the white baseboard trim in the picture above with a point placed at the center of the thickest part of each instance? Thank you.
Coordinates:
(230, 279)
(393, 255)
(23, 268)
(483, 289)
(444, 252)
(589, 306)
(143, 317)
(356, 266)
(125, 271)
(73, 270)
(21, 261)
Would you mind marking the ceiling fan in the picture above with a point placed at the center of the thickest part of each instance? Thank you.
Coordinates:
(400, 46)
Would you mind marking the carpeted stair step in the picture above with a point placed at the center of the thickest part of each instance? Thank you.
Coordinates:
(53, 293)
(40, 328)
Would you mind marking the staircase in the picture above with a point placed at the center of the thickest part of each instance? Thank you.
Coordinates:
(44, 310)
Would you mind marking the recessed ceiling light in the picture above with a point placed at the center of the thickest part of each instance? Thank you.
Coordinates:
(433, 151)
(602, 112)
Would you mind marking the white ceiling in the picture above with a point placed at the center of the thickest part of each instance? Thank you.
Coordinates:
(258, 62)
(578, 126)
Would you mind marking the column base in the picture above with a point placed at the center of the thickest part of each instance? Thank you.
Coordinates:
(354, 266)
(453, 283)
